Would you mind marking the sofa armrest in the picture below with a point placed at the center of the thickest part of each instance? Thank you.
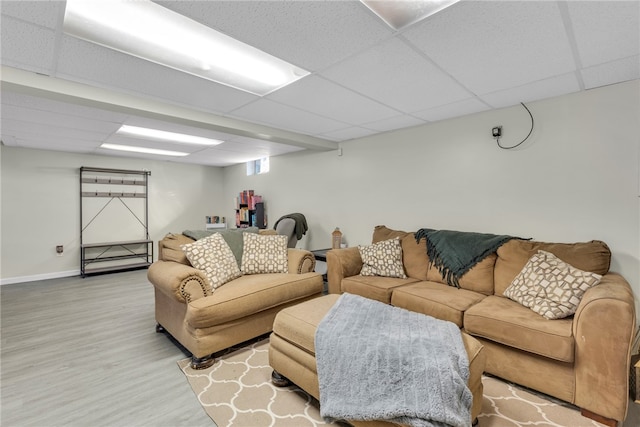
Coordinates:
(342, 263)
(182, 282)
(301, 261)
(604, 328)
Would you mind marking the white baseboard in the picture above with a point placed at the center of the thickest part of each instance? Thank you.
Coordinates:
(36, 277)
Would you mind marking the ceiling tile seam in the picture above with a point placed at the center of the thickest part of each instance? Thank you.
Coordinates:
(366, 96)
(64, 114)
(300, 109)
(573, 43)
(29, 23)
(57, 45)
(624, 58)
(165, 101)
(524, 85)
(143, 95)
(382, 40)
(427, 58)
(377, 101)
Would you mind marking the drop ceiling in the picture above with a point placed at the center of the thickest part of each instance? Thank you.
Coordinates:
(65, 94)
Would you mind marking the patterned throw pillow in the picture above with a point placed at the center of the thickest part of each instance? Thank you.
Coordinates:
(382, 259)
(264, 254)
(213, 256)
(550, 286)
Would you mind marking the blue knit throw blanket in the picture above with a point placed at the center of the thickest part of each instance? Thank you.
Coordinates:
(378, 362)
(454, 253)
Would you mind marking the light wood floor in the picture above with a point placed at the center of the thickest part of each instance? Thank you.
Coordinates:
(84, 352)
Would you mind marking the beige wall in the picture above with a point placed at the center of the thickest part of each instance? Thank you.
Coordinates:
(40, 206)
(575, 179)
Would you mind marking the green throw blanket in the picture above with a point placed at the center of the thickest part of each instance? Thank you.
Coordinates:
(454, 253)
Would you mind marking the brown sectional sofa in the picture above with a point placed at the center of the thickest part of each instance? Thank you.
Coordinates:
(205, 322)
(582, 359)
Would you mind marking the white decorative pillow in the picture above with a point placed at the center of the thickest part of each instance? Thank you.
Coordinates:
(550, 286)
(264, 254)
(214, 257)
(382, 259)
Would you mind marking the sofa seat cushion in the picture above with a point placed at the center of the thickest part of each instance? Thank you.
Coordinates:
(298, 323)
(436, 299)
(506, 322)
(374, 287)
(249, 294)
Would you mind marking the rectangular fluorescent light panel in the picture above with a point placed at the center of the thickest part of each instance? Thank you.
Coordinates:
(161, 135)
(149, 31)
(144, 150)
(399, 14)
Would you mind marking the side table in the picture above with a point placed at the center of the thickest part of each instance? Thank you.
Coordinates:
(321, 255)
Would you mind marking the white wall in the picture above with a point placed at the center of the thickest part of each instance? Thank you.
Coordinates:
(40, 206)
(575, 179)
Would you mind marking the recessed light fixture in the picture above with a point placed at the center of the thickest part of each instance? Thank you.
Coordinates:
(144, 150)
(149, 31)
(399, 14)
(161, 135)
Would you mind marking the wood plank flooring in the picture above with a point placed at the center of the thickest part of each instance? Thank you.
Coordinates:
(84, 352)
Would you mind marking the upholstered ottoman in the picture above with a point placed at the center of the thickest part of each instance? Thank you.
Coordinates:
(292, 351)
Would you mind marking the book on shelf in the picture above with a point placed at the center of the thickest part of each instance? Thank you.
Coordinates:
(215, 219)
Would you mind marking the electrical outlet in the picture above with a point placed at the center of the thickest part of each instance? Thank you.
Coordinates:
(59, 250)
(497, 131)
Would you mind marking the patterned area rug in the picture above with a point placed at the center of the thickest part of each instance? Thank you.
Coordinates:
(237, 391)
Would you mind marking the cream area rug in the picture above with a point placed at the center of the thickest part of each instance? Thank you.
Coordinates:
(237, 391)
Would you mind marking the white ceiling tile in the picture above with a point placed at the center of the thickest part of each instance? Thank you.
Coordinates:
(611, 72)
(490, 46)
(310, 34)
(90, 63)
(26, 46)
(49, 105)
(393, 123)
(396, 75)
(319, 96)
(349, 133)
(456, 109)
(245, 144)
(472, 55)
(555, 86)
(271, 113)
(605, 30)
(49, 130)
(45, 143)
(44, 13)
(55, 118)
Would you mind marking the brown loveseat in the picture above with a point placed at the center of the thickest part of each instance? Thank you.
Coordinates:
(206, 321)
(582, 359)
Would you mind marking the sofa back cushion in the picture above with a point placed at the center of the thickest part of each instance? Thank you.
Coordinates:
(418, 266)
(169, 248)
(478, 279)
(381, 232)
(414, 254)
(593, 256)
